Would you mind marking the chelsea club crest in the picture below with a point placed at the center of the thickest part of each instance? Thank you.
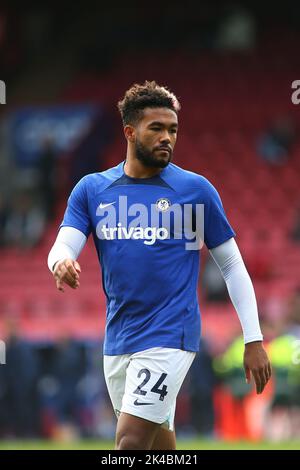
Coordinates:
(163, 204)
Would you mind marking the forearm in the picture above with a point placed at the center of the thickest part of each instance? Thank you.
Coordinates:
(240, 288)
(68, 244)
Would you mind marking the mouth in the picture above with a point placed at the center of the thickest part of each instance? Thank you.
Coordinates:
(163, 149)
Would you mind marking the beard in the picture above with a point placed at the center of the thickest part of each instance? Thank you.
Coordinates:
(148, 158)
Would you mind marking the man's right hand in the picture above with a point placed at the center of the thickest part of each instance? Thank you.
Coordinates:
(66, 271)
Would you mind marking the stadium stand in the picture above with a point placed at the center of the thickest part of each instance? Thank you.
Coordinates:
(226, 103)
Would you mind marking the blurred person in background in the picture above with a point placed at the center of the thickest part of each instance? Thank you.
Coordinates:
(294, 314)
(18, 386)
(68, 369)
(237, 31)
(3, 218)
(26, 221)
(46, 167)
(202, 383)
(275, 415)
(95, 411)
(240, 414)
(295, 232)
(88, 156)
(275, 144)
(283, 421)
(213, 283)
(59, 389)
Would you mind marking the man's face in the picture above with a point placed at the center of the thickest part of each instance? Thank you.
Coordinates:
(155, 137)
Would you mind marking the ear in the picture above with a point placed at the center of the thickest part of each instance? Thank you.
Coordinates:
(129, 132)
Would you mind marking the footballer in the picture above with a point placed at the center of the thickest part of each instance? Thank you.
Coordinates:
(143, 215)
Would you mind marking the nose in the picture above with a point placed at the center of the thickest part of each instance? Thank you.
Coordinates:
(165, 138)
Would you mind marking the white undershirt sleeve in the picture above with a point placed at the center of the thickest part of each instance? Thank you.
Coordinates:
(68, 244)
(229, 260)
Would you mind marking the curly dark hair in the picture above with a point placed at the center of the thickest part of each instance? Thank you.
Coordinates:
(148, 95)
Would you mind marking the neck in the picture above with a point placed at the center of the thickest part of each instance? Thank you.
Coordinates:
(135, 169)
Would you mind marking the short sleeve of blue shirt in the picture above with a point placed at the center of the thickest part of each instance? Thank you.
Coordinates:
(217, 229)
(77, 213)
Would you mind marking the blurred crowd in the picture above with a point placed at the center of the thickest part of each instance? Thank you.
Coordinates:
(52, 390)
(57, 390)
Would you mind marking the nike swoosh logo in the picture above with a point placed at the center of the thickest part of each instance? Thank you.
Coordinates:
(102, 206)
(141, 403)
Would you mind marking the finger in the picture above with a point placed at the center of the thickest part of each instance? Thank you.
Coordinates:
(269, 370)
(58, 274)
(264, 377)
(266, 373)
(63, 275)
(58, 265)
(77, 266)
(258, 382)
(71, 269)
(247, 374)
(59, 285)
(67, 278)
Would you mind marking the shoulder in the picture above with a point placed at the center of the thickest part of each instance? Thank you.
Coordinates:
(97, 182)
(188, 180)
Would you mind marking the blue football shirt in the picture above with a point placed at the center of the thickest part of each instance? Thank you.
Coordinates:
(149, 276)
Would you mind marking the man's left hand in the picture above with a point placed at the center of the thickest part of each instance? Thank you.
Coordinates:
(256, 362)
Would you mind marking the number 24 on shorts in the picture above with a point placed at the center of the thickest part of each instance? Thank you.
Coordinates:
(155, 389)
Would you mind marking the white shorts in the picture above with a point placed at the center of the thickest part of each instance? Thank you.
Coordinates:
(146, 383)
